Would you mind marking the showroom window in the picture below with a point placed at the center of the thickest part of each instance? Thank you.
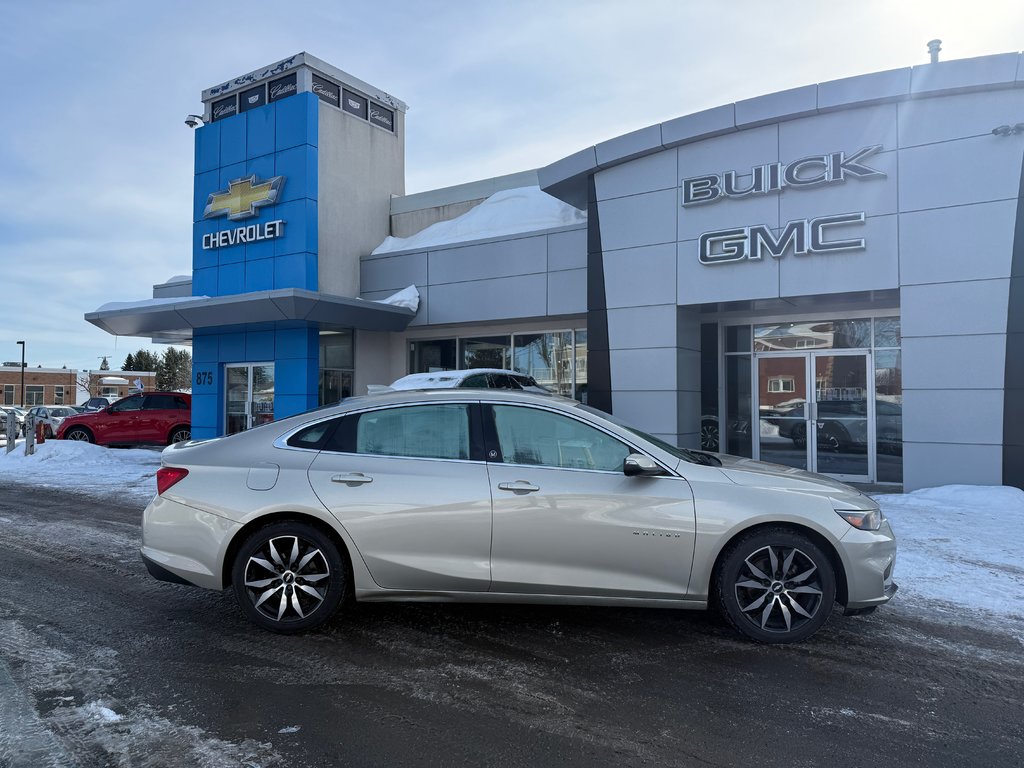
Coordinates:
(33, 394)
(556, 359)
(8, 394)
(58, 395)
(486, 352)
(881, 336)
(337, 366)
(888, 400)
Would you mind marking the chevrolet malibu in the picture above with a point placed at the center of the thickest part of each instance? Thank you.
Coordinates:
(507, 497)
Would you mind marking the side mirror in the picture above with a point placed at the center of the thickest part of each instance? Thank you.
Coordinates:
(638, 464)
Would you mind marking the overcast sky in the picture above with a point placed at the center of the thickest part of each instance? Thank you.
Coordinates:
(96, 164)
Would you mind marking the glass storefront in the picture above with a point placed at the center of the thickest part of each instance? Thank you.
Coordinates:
(556, 359)
(828, 395)
(249, 396)
(337, 366)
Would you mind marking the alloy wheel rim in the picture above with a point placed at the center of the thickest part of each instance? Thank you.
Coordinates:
(779, 589)
(77, 434)
(181, 436)
(287, 578)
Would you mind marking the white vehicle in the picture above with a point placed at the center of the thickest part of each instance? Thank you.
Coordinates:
(472, 378)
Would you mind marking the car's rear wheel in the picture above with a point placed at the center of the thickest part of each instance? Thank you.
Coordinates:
(289, 577)
(47, 431)
(77, 433)
(180, 435)
(775, 585)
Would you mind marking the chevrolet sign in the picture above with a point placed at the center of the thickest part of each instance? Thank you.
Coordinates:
(253, 233)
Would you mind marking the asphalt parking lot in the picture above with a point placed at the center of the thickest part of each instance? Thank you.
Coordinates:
(102, 666)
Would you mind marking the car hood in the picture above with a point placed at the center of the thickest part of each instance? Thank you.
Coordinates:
(744, 471)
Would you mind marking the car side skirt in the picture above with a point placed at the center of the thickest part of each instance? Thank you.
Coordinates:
(396, 595)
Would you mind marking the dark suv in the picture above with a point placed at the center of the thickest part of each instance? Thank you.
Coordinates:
(159, 418)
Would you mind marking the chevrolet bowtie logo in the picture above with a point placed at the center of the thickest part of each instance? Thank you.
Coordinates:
(242, 197)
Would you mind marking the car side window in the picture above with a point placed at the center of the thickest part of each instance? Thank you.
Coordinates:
(158, 403)
(313, 437)
(543, 438)
(181, 404)
(128, 404)
(478, 380)
(417, 431)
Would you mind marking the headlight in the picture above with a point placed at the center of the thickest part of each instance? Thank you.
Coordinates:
(864, 519)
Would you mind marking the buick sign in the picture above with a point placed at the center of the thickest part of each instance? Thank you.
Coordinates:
(811, 171)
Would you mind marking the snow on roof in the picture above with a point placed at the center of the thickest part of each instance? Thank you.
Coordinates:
(509, 212)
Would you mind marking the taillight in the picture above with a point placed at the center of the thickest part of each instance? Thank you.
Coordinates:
(168, 476)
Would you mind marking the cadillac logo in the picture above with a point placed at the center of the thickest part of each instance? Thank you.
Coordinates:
(243, 198)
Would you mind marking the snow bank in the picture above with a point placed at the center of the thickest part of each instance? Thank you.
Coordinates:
(960, 544)
(84, 467)
(508, 212)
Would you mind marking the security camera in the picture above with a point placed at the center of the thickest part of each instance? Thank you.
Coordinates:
(194, 121)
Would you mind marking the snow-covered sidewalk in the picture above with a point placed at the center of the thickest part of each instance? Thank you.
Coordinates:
(961, 547)
(123, 473)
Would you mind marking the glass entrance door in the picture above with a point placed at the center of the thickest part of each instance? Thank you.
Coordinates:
(249, 396)
(815, 413)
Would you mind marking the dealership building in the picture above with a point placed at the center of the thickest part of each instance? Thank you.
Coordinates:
(829, 277)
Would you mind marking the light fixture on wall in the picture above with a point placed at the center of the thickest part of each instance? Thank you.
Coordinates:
(1007, 130)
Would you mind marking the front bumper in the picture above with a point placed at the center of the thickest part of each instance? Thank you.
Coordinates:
(869, 558)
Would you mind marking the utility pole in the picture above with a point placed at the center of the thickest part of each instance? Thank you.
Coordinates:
(22, 343)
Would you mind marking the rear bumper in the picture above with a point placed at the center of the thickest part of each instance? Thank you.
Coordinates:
(185, 544)
(160, 573)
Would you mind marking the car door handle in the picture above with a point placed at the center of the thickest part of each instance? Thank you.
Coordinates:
(352, 478)
(519, 486)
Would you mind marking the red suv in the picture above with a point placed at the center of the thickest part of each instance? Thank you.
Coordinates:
(159, 418)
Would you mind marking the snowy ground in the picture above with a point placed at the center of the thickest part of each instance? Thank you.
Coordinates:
(960, 547)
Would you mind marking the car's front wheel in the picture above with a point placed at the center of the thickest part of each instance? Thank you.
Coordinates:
(775, 585)
(77, 433)
(289, 577)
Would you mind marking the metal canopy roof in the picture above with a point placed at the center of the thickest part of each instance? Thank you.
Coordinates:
(179, 316)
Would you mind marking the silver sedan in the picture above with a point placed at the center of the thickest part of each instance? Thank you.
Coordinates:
(499, 496)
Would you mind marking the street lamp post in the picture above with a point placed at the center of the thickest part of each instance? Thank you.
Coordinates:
(22, 343)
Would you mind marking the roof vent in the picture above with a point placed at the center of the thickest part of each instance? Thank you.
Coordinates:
(934, 46)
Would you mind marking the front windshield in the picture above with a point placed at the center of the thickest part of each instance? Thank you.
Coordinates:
(694, 457)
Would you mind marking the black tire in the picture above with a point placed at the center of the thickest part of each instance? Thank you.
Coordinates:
(80, 434)
(47, 432)
(799, 436)
(833, 437)
(180, 434)
(775, 585)
(268, 596)
(709, 436)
